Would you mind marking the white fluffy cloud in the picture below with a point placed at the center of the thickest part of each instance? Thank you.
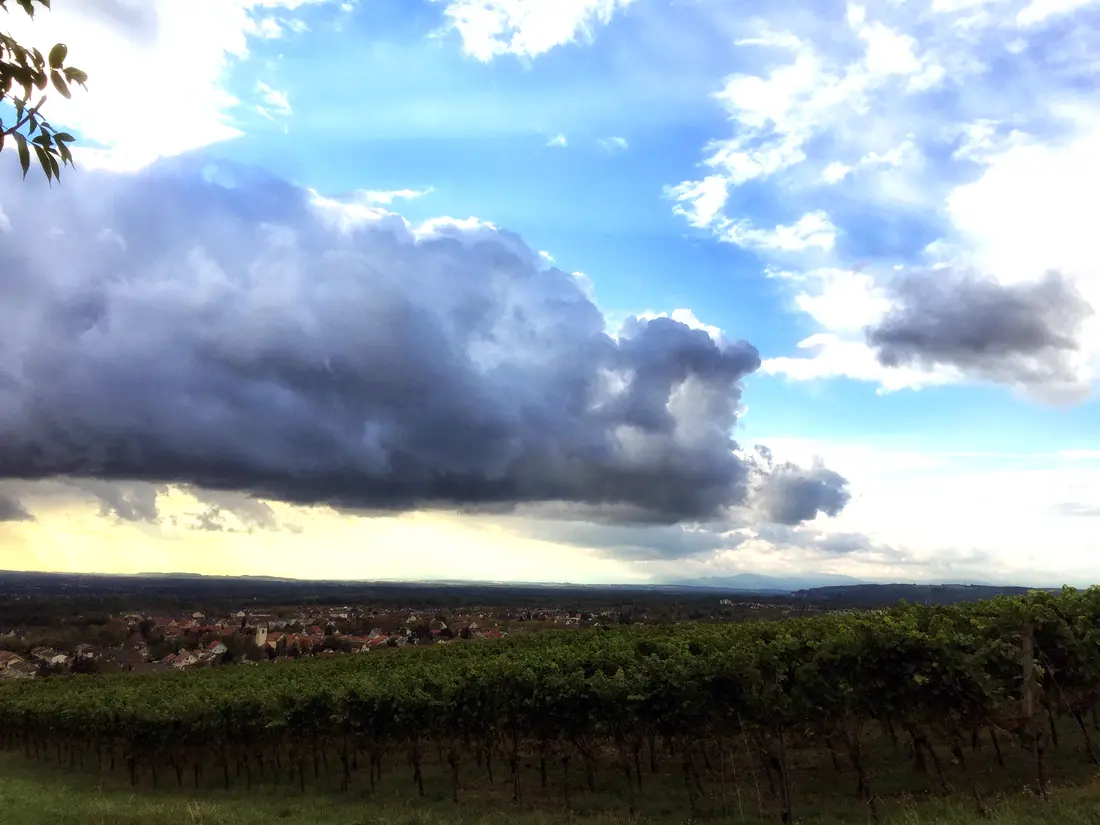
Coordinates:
(973, 123)
(526, 28)
(813, 229)
(157, 69)
(375, 197)
(1054, 499)
(613, 144)
(273, 102)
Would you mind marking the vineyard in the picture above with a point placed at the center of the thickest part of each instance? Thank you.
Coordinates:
(561, 716)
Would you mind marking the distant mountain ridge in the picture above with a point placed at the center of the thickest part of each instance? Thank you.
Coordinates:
(884, 595)
(758, 582)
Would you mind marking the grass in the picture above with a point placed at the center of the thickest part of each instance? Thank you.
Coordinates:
(37, 794)
(735, 790)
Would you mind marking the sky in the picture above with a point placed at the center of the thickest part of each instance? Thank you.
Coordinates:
(559, 290)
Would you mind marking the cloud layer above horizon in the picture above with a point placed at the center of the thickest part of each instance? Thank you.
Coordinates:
(225, 329)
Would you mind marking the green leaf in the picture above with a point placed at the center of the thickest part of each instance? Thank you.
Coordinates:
(24, 154)
(59, 84)
(76, 75)
(57, 55)
(44, 161)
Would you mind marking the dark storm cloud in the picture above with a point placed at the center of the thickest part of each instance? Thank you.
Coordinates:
(12, 509)
(1025, 333)
(620, 533)
(792, 494)
(788, 494)
(244, 336)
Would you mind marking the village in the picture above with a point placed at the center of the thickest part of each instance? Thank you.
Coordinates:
(133, 642)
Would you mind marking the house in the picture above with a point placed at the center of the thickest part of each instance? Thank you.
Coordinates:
(261, 635)
(197, 615)
(7, 659)
(126, 657)
(185, 658)
(217, 648)
(21, 670)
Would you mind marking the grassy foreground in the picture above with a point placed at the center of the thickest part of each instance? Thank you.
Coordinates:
(35, 794)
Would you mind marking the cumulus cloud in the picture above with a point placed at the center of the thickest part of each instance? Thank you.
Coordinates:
(785, 493)
(964, 139)
(526, 28)
(12, 509)
(248, 335)
(1022, 333)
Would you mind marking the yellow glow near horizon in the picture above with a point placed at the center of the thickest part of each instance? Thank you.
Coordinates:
(72, 537)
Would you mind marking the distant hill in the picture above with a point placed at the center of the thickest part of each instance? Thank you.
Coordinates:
(758, 583)
(886, 595)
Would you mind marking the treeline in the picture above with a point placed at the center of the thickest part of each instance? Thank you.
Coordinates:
(933, 678)
(48, 598)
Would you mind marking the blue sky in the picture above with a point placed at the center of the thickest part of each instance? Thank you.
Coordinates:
(797, 175)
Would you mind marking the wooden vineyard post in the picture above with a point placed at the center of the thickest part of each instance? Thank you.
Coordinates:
(1032, 737)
